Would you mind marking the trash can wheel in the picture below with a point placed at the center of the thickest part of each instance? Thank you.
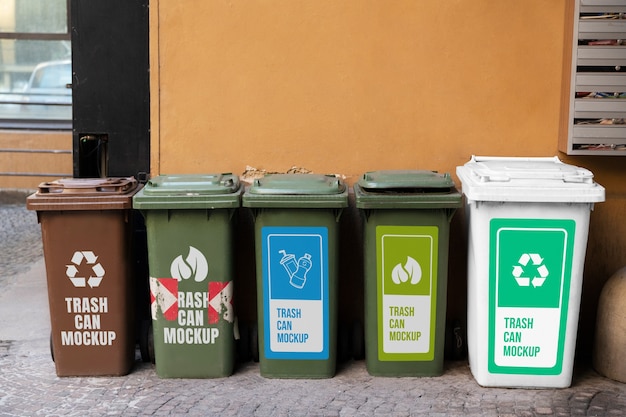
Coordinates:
(254, 342)
(146, 342)
(358, 341)
(343, 343)
(243, 343)
(455, 344)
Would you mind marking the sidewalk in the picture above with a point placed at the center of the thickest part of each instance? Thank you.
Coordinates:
(30, 387)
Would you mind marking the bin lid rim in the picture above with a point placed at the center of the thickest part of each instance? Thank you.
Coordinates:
(87, 187)
(531, 180)
(409, 180)
(514, 170)
(448, 197)
(296, 185)
(191, 185)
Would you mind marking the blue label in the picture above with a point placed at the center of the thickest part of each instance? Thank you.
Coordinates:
(295, 292)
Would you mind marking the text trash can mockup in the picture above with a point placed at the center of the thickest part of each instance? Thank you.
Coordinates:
(528, 221)
(406, 217)
(189, 226)
(296, 236)
(86, 232)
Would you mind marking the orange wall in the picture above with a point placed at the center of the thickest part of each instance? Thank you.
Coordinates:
(350, 86)
(354, 85)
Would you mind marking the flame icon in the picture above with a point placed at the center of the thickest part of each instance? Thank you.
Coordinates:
(195, 265)
(411, 270)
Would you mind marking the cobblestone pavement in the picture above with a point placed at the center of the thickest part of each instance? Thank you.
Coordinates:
(20, 240)
(30, 387)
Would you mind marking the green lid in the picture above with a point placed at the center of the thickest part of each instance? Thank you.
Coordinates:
(405, 179)
(297, 191)
(190, 192)
(406, 189)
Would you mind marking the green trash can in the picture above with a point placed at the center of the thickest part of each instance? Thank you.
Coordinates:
(189, 226)
(406, 216)
(296, 238)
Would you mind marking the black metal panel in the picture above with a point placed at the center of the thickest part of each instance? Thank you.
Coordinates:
(111, 88)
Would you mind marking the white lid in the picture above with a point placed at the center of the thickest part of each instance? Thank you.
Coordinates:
(486, 178)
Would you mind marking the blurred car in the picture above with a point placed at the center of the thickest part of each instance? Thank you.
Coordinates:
(47, 94)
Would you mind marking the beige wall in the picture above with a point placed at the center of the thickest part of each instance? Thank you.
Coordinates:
(34, 163)
(350, 86)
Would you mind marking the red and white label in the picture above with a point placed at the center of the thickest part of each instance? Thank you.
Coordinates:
(164, 297)
(221, 302)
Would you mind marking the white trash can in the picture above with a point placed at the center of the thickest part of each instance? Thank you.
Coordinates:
(528, 221)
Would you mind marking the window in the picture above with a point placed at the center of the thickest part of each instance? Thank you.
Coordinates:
(35, 64)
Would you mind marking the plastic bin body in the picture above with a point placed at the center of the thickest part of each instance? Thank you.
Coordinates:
(528, 222)
(296, 238)
(86, 234)
(406, 217)
(189, 225)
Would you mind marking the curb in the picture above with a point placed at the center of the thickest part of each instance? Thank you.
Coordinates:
(14, 196)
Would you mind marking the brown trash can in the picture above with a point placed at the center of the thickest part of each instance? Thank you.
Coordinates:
(86, 232)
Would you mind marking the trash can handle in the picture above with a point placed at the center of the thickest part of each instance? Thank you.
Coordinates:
(88, 186)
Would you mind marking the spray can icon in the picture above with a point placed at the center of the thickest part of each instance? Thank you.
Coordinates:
(296, 270)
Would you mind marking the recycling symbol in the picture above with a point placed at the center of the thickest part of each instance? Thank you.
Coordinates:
(89, 258)
(537, 262)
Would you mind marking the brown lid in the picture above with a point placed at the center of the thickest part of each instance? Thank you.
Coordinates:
(84, 194)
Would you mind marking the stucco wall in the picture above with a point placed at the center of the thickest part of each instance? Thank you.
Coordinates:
(351, 86)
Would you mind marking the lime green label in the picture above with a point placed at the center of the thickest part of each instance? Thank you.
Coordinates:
(529, 283)
(406, 292)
